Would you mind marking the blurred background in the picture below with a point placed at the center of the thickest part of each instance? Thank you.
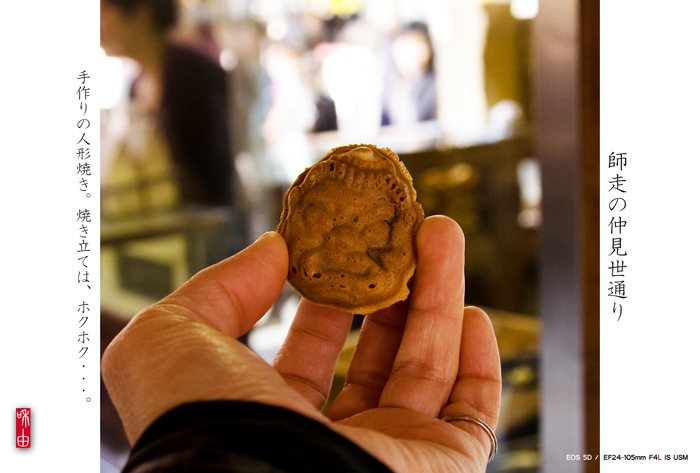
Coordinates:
(211, 108)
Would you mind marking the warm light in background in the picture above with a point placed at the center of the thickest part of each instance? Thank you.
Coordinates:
(524, 9)
(113, 81)
(277, 29)
(356, 90)
(228, 59)
(520, 9)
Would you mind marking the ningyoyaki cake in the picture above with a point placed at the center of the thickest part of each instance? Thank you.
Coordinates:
(350, 223)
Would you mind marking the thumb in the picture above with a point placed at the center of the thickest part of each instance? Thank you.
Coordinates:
(234, 294)
(161, 360)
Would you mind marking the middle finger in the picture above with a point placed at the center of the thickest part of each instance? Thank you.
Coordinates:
(426, 364)
(380, 337)
(309, 354)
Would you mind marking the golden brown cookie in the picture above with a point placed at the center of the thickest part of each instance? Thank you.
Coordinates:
(350, 223)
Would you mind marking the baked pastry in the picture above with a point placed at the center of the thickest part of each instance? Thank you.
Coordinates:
(350, 223)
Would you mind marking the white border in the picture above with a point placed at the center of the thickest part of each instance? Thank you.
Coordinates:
(650, 109)
(45, 44)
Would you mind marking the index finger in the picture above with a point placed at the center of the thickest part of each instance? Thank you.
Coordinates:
(426, 364)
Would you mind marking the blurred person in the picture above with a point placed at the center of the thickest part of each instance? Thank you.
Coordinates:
(351, 76)
(250, 100)
(291, 115)
(199, 35)
(410, 93)
(353, 79)
(313, 27)
(178, 110)
(242, 42)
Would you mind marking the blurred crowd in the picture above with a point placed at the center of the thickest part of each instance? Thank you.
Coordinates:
(224, 103)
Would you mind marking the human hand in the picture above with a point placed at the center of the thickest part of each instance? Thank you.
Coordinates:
(415, 362)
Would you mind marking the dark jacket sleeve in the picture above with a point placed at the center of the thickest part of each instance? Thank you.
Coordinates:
(243, 437)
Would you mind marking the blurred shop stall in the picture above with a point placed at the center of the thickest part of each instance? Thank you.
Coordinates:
(211, 111)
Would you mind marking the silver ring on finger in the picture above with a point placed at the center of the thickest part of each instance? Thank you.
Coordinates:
(480, 423)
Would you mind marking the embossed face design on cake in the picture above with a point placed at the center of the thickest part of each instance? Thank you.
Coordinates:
(349, 222)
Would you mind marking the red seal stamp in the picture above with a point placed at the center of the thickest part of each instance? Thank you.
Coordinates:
(23, 428)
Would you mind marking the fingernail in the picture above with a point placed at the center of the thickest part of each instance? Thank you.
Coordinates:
(265, 236)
